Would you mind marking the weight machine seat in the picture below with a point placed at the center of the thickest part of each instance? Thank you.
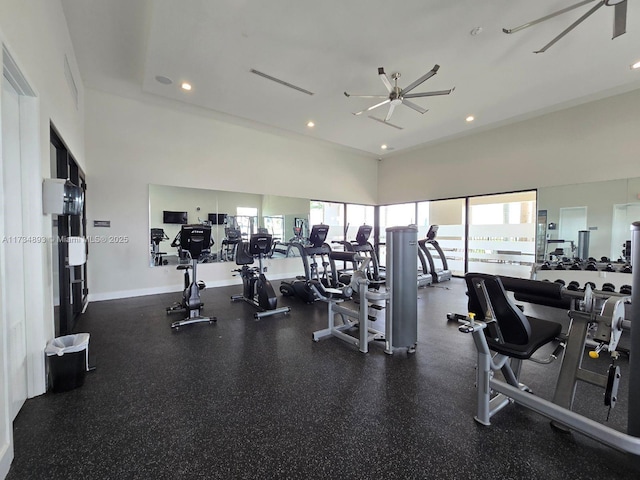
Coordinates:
(330, 293)
(521, 335)
(183, 267)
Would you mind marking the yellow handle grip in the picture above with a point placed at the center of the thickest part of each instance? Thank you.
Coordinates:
(594, 354)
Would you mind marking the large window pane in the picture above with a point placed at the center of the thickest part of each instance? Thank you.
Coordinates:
(331, 214)
(358, 215)
(398, 215)
(449, 215)
(502, 232)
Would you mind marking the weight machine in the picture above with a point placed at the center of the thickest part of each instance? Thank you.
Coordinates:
(398, 299)
(504, 337)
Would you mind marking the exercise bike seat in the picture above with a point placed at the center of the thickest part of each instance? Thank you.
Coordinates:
(243, 257)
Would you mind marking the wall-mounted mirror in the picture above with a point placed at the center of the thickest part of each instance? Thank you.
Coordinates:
(603, 209)
(233, 216)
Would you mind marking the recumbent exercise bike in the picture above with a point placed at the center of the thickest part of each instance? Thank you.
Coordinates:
(256, 289)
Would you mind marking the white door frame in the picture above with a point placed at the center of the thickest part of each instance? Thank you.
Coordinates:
(38, 316)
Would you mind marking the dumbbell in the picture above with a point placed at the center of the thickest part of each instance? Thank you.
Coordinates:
(626, 269)
(608, 287)
(591, 284)
(560, 266)
(604, 259)
(573, 285)
(625, 289)
(591, 266)
(545, 266)
(560, 281)
(609, 268)
(576, 266)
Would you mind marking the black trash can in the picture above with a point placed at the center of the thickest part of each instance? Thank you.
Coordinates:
(67, 358)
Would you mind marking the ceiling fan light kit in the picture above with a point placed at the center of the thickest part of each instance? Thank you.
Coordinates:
(619, 19)
(399, 96)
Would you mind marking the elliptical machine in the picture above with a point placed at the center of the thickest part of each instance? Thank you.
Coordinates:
(310, 253)
(256, 289)
(193, 239)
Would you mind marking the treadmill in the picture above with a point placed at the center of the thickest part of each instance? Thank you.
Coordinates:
(438, 275)
(424, 276)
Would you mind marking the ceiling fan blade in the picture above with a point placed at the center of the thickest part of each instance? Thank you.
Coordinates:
(546, 17)
(390, 112)
(365, 96)
(385, 79)
(620, 19)
(571, 27)
(417, 108)
(386, 123)
(429, 94)
(422, 79)
(372, 107)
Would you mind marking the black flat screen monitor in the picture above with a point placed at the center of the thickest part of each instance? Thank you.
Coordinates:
(433, 231)
(318, 235)
(179, 218)
(195, 239)
(364, 232)
(260, 243)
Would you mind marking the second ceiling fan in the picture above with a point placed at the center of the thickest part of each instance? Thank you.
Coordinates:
(619, 19)
(400, 96)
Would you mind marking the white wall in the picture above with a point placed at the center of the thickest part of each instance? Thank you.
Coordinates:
(590, 142)
(133, 143)
(35, 34)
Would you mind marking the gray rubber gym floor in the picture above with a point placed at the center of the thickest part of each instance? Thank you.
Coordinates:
(260, 400)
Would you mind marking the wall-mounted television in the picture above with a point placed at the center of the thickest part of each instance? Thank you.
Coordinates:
(217, 218)
(179, 218)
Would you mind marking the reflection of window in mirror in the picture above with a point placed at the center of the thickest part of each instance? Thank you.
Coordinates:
(247, 220)
(275, 226)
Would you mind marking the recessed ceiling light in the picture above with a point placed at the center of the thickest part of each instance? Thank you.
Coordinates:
(470, 118)
(310, 124)
(163, 80)
(635, 65)
(186, 86)
(384, 146)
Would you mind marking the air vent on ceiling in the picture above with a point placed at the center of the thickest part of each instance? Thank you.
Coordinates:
(281, 82)
(12, 73)
(70, 81)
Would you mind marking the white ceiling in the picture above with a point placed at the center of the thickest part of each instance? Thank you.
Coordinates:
(329, 46)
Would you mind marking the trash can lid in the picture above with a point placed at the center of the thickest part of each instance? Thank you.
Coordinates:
(67, 344)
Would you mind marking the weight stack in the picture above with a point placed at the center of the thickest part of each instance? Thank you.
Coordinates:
(401, 270)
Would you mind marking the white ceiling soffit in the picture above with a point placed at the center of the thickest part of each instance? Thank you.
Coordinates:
(330, 47)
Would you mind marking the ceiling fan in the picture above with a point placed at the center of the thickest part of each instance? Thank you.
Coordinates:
(400, 96)
(619, 20)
